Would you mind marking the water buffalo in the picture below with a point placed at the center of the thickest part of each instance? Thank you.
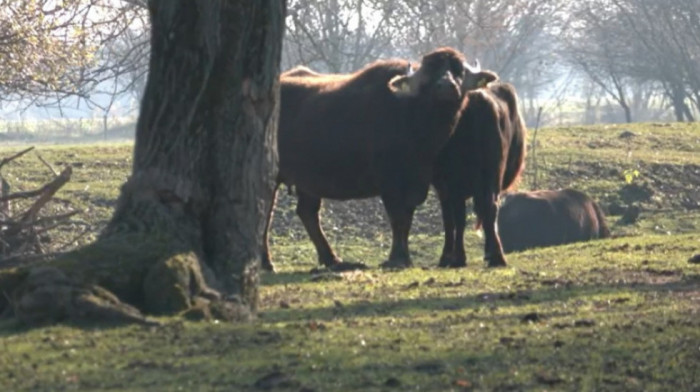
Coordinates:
(375, 132)
(549, 217)
(484, 157)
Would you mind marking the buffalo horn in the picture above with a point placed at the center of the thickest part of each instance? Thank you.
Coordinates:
(476, 68)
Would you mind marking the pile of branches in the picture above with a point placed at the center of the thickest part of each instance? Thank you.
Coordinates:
(23, 227)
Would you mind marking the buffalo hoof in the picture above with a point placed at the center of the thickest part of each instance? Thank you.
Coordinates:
(396, 264)
(267, 266)
(445, 261)
(496, 263)
(452, 262)
(458, 263)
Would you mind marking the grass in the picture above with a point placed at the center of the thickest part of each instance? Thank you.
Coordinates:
(621, 314)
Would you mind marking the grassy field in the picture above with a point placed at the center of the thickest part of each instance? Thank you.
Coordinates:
(67, 130)
(621, 314)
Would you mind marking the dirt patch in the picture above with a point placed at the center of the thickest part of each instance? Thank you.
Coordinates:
(582, 170)
(677, 185)
(364, 218)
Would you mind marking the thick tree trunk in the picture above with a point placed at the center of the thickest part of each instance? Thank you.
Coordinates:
(205, 140)
(205, 161)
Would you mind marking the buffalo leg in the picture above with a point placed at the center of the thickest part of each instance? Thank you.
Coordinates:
(487, 208)
(459, 257)
(266, 259)
(308, 208)
(448, 224)
(400, 217)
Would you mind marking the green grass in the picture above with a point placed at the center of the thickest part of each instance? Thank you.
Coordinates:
(620, 314)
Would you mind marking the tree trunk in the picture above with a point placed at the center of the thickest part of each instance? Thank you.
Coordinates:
(688, 113)
(677, 109)
(205, 162)
(628, 112)
(680, 109)
(619, 87)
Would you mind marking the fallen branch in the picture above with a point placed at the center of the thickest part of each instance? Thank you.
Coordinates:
(57, 183)
(22, 233)
(47, 193)
(13, 157)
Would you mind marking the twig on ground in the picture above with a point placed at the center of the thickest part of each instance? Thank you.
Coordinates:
(47, 193)
(21, 232)
(55, 173)
(13, 157)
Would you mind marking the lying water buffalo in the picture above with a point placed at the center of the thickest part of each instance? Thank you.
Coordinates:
(549, 217)
(375, 132)
(483, 158)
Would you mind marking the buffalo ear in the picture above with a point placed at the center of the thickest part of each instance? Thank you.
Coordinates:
(400, 85)
(485, 77)
(473, 81)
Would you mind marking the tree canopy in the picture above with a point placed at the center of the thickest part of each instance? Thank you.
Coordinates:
(633, 53)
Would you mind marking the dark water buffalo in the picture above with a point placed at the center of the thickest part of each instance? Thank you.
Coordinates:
(375, 132)
(549, 217)
(483, 157)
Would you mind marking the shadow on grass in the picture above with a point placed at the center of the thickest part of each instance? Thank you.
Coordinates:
(477, 302)
(313, 274)
(12, 326)
(285, 278)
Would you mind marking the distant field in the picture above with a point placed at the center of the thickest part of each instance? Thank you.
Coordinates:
(67, 130)
(621, 314)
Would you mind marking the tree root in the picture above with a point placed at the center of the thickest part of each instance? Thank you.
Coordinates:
(116, 280)
(48, 296)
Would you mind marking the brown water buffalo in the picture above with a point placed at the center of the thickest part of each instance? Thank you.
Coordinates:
(549, 217)
(375, 132)
(484, 157)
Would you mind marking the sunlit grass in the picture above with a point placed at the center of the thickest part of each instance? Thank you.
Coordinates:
(619, 314)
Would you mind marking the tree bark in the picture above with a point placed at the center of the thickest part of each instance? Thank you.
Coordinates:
(205, 140)
(205, 162)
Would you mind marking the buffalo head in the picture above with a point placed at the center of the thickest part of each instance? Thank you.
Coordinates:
(444, 73)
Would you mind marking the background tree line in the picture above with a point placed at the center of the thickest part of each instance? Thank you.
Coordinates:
(619, 60)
